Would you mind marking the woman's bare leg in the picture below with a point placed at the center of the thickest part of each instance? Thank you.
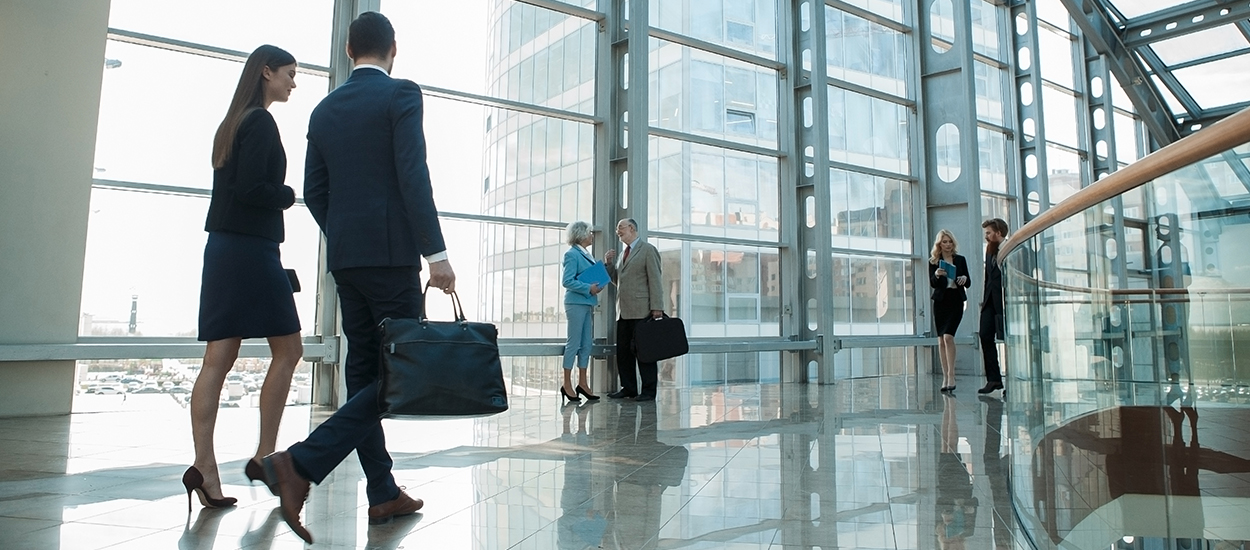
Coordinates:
(219, 356)
(287, 351)
(946, 348)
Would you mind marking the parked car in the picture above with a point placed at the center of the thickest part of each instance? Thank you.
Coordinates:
(150, 388)
(108, 390)
(179, 389)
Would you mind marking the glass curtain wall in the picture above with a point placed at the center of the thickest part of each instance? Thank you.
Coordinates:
(714, 210)
(153, 175)
(510, 121)
(872, 181)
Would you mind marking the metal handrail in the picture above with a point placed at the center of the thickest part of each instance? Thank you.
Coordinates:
(1220, 137)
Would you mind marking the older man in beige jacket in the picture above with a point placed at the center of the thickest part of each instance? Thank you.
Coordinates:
(639, 295)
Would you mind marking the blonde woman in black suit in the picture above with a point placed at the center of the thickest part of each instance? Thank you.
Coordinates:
(948, 300)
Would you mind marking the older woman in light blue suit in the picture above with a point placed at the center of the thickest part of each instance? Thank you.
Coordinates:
(579, 303)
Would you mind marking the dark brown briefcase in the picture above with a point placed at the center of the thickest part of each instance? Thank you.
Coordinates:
(660, 339)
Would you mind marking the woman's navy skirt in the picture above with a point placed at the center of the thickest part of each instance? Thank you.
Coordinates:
(245, 293)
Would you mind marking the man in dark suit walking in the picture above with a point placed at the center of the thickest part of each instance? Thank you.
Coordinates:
(367, 185)
(639, 294)
(991, 328)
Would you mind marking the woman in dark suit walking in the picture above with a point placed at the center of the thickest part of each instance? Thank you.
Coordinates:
(245, 293)
(949, 298)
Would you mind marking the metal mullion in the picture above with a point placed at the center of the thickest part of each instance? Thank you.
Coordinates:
(1000, 195)
(566, 9)
(714, 142)
(868, 15)
(846, 167)
(508, 104)
(873, 254)
(204, 50)
(1068, 148)
(521, 222)
(812, 85)
(172, 190)
(870, 92)
(1202, 60)
(1047, 83)
(176, 348)
(712, 48)
(693, 238)
(1181, 17)
(1036, 146)
(994, 127)
(789, 167)
(989, 61)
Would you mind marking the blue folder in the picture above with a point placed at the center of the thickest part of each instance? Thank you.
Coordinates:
(595, 274)
(950, 272)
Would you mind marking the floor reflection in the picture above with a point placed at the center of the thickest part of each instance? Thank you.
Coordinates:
(1146, 476)
(869, 464)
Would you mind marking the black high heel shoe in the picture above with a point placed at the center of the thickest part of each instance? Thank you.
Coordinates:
(571, 398)
(193, 480)
(255, 472)
(582, 391)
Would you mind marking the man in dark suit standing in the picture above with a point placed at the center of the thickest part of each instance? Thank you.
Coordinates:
(367, 185)
(991, 328)
(639, 294)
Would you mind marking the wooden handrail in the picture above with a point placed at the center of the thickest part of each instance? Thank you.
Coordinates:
(1219, 137)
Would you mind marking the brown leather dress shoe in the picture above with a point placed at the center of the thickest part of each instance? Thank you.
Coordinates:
(402, 505)
(291, 489)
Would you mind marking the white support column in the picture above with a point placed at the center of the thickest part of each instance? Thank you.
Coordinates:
(51, 101)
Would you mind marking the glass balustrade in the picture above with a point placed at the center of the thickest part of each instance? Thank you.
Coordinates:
(1128, 352)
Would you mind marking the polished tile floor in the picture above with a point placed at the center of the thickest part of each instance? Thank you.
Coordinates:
(883, 463)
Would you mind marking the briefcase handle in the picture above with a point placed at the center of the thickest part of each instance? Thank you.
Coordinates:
(456, 308)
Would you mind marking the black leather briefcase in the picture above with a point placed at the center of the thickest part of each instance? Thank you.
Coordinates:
(660, 339)
(440, 368)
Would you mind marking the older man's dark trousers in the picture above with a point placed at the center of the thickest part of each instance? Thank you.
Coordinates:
(627, 365)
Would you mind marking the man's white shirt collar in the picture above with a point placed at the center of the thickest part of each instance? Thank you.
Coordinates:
(368, 66)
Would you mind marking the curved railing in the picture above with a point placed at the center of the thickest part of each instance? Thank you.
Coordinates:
(1128, 352)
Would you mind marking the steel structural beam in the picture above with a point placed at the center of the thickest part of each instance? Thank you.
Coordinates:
(1180, 20)
(947, 100)
(810, 90)
(1099, 139)
(1211, 116)
(1031, 147)
(1091, 17)
(789, 169)
(1164, 74)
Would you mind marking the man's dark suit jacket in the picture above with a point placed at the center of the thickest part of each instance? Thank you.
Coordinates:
(366, 181)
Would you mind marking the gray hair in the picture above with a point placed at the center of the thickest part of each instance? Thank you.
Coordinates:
(576, 232)
(631, 223)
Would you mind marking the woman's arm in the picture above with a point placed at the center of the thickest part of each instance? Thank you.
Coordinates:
(961, 269)
(569, 279)
(258, 143)
(934, 280)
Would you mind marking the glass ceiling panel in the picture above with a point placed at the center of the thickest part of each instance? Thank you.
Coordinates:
(1136, 8)
(1200, 44)
(1173, 104)
(1217, 83)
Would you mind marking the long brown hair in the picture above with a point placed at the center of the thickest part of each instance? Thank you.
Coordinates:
(248, 95)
